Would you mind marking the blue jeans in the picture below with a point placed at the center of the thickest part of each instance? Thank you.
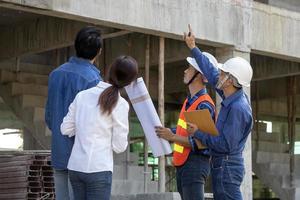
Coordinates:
(91, 186)
(191, 177)
(63, 189)
(227, 175)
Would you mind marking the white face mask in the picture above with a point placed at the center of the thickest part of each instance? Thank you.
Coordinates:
(220, 82)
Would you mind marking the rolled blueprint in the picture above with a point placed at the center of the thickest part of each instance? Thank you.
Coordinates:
(148, 117)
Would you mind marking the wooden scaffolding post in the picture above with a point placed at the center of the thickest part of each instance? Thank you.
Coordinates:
(161, 109)
(291, 109)
(128, 149)
(147, 69)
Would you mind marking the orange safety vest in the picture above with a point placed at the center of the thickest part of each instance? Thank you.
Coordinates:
(181, 152)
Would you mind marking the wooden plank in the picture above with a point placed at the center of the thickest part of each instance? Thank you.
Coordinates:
(13, 180)
(22, 195)
(161, 109)
(147, 70)
(14, 185)
(16, 163)
(13, 169)
(13, 190)
(13, 174)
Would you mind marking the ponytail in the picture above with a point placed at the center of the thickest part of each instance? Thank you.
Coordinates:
(121, 73)
(108, 99)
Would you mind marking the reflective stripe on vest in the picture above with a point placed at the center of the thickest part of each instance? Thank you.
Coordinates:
(181, 152)
(181, 123)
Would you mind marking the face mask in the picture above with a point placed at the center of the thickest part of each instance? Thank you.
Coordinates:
(220, 82)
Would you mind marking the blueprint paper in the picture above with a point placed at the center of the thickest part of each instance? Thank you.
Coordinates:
(148, 117)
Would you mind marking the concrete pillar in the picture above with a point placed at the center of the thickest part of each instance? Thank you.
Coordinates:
(222, 54)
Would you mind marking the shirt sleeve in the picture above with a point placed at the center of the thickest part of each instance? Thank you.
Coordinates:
(202, 106)
(120, 127)
(68, 126)
(228, 137)
(192, 142)
(54, 78)
(209, 70)
(48, 103)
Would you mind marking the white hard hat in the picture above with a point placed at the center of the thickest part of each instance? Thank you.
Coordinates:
(194, 64)
(210, 57)
(240, 69)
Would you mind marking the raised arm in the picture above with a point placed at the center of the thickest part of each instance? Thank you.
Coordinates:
(209, 70)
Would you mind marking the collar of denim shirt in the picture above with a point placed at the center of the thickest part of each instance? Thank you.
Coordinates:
(80, 61)
(227, 101)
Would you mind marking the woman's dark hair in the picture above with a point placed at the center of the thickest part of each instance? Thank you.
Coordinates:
(121, 73)
(88, 42)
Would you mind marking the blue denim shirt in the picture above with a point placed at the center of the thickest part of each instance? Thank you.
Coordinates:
(201, 106)
(63, 85)
(234, 122)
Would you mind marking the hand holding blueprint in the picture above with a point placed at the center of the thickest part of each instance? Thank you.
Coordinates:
(147, 115)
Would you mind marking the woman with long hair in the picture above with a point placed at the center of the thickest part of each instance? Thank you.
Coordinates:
(98, 118)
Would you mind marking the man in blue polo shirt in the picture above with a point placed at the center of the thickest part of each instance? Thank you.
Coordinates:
(234, 121)
(64, 83)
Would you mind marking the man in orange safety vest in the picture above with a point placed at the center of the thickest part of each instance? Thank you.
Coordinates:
(192, 164)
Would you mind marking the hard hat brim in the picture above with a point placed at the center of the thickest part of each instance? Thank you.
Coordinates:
(221, 67)
(194, 64)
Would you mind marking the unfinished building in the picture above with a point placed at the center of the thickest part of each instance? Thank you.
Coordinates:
(37, 36)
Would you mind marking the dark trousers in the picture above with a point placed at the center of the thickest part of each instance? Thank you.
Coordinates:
(191, 177)
(227, 175)
(91, 186)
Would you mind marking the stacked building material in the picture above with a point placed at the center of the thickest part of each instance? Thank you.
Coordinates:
(26, 175)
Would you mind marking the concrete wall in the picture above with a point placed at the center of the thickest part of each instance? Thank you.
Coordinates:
(275, 31)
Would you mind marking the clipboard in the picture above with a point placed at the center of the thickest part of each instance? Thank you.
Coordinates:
(204, 122)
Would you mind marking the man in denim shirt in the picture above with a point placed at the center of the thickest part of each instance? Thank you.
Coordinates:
(234, 122)
(192, 164)
(64, 83)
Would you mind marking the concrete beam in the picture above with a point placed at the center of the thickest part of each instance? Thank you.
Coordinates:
(146, 16)
(41, 4)
(266, 29)
(275, 32)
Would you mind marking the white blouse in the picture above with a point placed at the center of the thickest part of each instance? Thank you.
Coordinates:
(96, 135)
